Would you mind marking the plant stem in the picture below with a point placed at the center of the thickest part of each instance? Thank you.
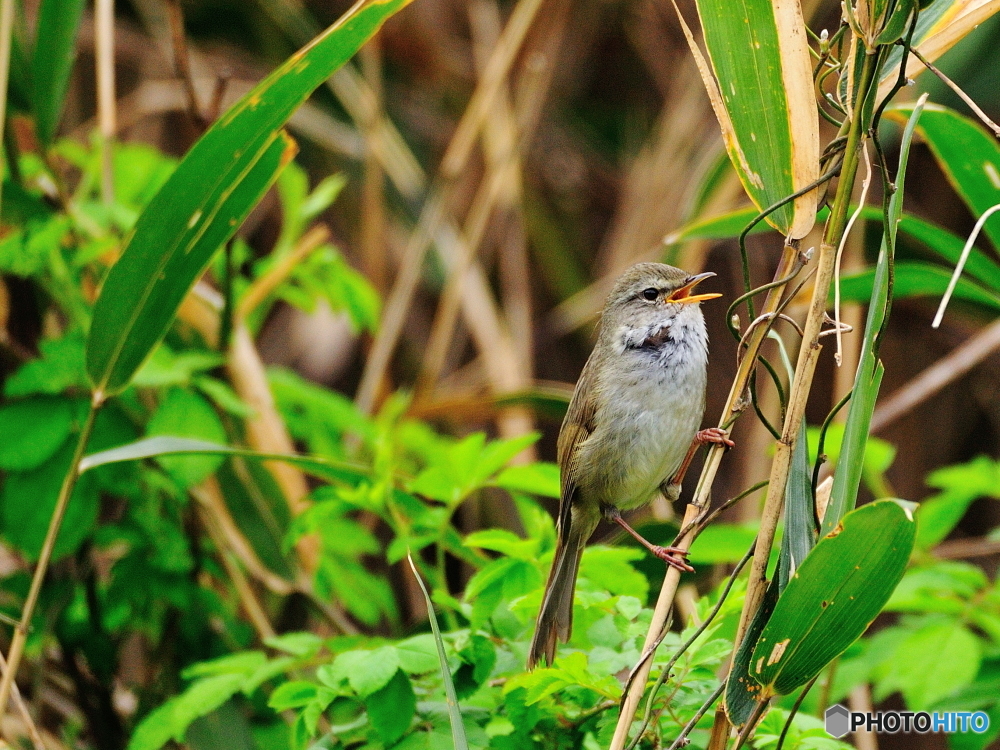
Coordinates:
(55, 522)
(808, 357)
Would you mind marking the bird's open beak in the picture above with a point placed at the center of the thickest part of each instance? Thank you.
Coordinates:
(683, 295)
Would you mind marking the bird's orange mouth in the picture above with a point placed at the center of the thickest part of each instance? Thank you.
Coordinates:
(683, 295)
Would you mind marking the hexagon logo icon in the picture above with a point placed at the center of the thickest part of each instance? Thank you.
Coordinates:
(838, 721)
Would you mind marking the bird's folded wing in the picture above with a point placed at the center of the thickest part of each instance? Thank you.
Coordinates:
(576, 428)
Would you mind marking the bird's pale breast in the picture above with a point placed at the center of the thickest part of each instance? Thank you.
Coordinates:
(648, 413)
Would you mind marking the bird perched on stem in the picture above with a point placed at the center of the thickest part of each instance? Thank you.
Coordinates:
(631, 427)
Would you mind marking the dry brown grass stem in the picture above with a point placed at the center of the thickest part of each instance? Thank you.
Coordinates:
(432, 224)
(373, 215)
(209, 497)
(490, 85)
(500, 139)
(266, 431)
(6, 39)
(264, 286)
(227, 536)
(104, 43)
(655, 197)
(946, 370)
(22, 708)
(182, 64)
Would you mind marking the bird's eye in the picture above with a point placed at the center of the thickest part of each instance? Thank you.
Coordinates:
(650, 294)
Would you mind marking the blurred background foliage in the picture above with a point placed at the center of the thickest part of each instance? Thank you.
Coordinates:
(225, 602)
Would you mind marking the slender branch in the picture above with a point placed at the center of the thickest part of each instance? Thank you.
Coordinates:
(104, 42)
(958, 90)
(665, 673)
(946, 370)
(45, 556)
(6, 37)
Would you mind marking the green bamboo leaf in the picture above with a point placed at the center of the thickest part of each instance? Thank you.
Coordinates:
(52, 62)
(763, 97)
(850, 466)
(173, 242)
(835, 594)
(743, 692)
(969, 157)
(206, 198)
(800, 535)
(153, 447)
(912, 279)
(458, 737)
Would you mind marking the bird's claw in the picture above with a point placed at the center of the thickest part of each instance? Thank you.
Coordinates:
(672, 556)
(714, 435)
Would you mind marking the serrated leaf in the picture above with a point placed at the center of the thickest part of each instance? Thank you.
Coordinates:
(391, 708)
(374, 670)
(34, 430)
(536, 479)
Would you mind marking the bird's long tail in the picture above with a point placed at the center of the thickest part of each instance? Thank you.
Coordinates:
(555, 619)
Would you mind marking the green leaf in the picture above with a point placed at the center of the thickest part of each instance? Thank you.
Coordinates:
(799, 535)
(243, 662)
(28, 499)
(207, 197)
(834, 595)
(610, 569)
(162, 446)
(391, 709)
(719, 227)
(296, 644)
(171, 720)
(504, 542)
(164, 367)
(374, 670)
(759, 56)
(183, 413)
(969, 157)
(418, 655)
(536, 479)
(292, 695)
(59, 368)
(722, 542)
(174, 239)
(917, 279)
(52, 62)
(743, 692)
(934, 662)
(35, 428)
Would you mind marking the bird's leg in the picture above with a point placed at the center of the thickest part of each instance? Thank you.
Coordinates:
(672, 556)
(702, 437)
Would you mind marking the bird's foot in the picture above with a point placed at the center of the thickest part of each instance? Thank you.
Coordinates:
(714, 435)
(672, 556)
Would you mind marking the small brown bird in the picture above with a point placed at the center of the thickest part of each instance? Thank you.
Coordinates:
(631, 427)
